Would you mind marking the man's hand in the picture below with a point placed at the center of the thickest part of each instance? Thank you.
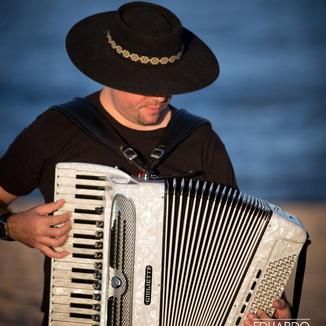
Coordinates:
(36, 229)
(282, 313)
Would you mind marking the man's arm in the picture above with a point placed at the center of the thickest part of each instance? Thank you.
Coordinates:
(36, 227)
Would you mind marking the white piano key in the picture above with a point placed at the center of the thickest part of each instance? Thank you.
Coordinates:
(85, 251)
(82, 204)
(80, 226)
(72, 181)
(72, 241)
(91, 217)
(64, 317)
(83, 232)
(65, 291)
(59, 299)
(64, 274)
(68, 323)
(70, 192)
(66, 308)
(69, 258)
(67, 283)
(68, 266)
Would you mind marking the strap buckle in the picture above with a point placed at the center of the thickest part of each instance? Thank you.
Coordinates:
(157, 153)
(129, 153)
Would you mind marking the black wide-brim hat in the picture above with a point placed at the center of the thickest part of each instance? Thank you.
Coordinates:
(141, 48)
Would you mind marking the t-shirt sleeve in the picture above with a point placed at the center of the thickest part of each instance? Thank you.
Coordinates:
(21, 165)
(217, 164)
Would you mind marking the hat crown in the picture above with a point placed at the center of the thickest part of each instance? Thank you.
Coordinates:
(147, 29)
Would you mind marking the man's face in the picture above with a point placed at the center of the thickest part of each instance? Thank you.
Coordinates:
(139, 109)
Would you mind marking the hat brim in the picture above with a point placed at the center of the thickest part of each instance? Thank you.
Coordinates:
(91, 53)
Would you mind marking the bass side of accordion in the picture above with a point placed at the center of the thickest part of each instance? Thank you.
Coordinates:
(173, 253)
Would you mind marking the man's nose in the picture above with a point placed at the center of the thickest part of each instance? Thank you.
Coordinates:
(162, 99)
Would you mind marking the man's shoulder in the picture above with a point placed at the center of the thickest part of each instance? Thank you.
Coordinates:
(183, 117)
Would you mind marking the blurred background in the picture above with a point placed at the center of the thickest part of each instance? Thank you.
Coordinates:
(267, 106)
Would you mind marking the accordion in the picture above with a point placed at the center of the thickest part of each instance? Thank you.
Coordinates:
(171, 253)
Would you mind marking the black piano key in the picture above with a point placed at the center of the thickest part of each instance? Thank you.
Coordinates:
(82, 280)
(96, 211)
(96, 235)
(91, 197)
(89, 177)
(81, 305)
(97, 255)
(96, 245)
(94, 296)
(82, 296)
(83, 270)
(89, 187)
(96, 307)
(79, 221)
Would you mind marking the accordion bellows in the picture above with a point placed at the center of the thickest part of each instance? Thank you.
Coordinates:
(170, 253)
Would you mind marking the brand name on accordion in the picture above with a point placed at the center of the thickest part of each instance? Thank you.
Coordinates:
(148, 285)
(279, 322)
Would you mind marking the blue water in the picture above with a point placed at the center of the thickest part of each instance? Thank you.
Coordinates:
(267, 105)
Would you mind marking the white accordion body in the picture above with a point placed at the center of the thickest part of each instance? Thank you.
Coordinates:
(169, 253)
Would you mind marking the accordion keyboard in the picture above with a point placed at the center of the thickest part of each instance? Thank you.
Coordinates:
(78, 281)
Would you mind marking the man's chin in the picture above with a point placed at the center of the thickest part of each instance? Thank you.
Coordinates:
(151, 121)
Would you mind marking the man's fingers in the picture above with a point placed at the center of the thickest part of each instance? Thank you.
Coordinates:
(50, 207)
(279, 304)
(58, 219)
(283, 310)
(56, 232)
(251, 318)
(261, 314)
(52, 253)
(53, 242)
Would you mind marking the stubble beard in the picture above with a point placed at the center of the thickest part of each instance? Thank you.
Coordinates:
(147, 119)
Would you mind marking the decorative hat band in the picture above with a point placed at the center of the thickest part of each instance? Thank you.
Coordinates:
(142, 58)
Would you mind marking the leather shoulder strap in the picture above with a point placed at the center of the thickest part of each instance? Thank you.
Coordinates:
(182, 125)
(96, 125)
(91, 121)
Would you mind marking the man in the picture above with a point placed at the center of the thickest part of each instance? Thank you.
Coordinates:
(142, 55)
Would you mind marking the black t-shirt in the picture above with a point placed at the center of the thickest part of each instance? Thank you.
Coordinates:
(30, 161)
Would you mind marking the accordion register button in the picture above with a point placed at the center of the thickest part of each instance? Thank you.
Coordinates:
(248, 297)
(116, 282)
(258, 274)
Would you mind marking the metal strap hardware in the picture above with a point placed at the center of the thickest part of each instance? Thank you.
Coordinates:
(128, 153)
(95, 124)
(157, 152)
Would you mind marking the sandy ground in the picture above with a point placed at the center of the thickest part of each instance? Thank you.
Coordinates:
(21, 274)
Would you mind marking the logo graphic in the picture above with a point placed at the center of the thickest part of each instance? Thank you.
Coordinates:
(148, 285)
